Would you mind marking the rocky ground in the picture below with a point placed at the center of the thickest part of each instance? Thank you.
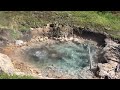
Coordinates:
(109, 62)
(13, 58)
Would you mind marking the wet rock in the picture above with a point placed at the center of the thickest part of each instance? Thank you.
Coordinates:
(6, 64)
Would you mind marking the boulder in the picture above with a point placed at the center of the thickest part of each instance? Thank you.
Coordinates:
(107, 69)
(6, 64)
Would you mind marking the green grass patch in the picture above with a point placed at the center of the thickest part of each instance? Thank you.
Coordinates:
(6, 76)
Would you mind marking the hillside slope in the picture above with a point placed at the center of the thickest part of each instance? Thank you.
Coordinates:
(101, 21)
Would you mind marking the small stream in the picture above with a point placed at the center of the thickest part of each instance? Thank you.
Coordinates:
(64, 60)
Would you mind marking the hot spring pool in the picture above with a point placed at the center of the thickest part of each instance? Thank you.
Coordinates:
(63, 59)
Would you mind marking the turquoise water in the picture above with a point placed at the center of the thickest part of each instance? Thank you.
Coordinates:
(63, 58)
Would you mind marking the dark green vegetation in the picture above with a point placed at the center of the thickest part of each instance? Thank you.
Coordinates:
(6, 76)
(108, 21)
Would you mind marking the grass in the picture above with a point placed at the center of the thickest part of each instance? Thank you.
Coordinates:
(6, 76)
(95, 20)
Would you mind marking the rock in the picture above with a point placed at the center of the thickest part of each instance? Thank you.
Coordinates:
(66, 39)
(19, 42)
(37, 31)
(6, 64)
(109, 59)
(76, 40)
(62, 40)
(1, 43)
(46, 38)
(109, 42)
(2, 38)
(107, 69)
(110, 56)
(24, 43)
(20, 73)
(111, 52)
(41, 39)
(71, 38)
(36, 40)
(85, 73)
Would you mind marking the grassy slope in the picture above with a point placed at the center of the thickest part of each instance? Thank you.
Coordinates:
(23, 20)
